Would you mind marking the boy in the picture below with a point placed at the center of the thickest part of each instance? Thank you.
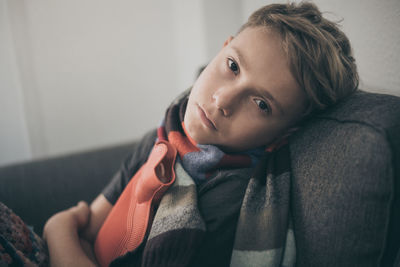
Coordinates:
(285, 63)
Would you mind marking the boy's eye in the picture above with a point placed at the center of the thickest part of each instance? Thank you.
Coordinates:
(262, 105)
(233, 66)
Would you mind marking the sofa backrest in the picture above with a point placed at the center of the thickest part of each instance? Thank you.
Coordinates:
(345, 186)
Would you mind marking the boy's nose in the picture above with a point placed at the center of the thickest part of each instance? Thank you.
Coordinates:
(225, 99)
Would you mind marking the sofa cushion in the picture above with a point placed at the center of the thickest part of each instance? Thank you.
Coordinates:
(345, 190)
(37, 189)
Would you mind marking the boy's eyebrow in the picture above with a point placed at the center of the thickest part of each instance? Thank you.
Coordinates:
(260, 90)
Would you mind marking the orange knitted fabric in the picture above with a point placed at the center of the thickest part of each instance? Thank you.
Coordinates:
(125, 227)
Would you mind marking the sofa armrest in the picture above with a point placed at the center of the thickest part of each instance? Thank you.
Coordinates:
(35, 190)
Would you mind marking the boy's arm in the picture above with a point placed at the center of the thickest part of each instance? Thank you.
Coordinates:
(70, 234)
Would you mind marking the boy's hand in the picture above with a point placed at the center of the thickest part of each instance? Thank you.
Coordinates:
(61, 233)
(70, 234)
(73, 219)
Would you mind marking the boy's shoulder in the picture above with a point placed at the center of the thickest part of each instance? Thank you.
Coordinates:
(143, 146)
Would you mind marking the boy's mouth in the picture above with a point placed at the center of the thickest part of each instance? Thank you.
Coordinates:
(204, 118)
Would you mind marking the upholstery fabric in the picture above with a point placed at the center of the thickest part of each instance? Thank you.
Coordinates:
(345, 187)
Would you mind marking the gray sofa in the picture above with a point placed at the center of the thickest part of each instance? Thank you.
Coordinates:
(345, 193)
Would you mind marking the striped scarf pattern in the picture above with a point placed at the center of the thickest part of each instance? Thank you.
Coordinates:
(264, 235)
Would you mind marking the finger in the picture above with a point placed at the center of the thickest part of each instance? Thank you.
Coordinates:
(81, 212)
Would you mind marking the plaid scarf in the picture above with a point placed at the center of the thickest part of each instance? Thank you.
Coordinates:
(264, 235)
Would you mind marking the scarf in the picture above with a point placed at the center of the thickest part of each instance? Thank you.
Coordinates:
(200, 161)
(264, 235)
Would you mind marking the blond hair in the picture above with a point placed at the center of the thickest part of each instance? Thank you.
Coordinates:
(319, 53)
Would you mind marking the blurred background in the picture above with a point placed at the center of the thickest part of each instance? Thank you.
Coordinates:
(81, 74)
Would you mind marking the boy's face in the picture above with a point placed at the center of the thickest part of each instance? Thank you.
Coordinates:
(246, 97)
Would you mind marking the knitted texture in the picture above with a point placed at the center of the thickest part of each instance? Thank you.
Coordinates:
(19, 245)
(264, 235)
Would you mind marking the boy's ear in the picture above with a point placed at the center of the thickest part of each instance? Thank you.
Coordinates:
(227, 41)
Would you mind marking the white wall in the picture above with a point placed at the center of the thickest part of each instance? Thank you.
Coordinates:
(95, 63)
(189, 40)
(80, 74)
(222, 19)
(14, 143)
(94, 72)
